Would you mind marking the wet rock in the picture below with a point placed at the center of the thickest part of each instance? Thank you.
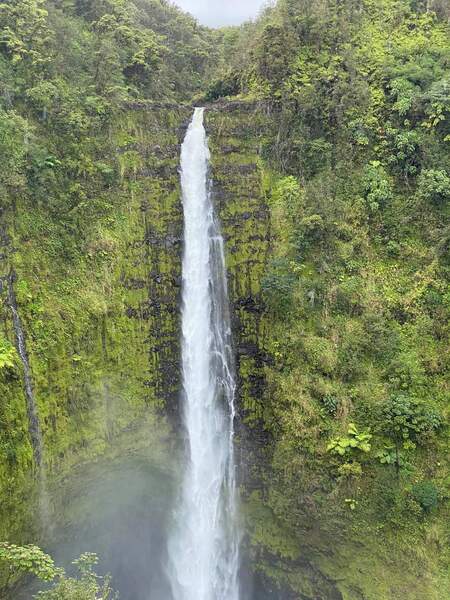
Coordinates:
(249, 304)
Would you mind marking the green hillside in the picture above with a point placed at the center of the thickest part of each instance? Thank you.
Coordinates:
(329, 134)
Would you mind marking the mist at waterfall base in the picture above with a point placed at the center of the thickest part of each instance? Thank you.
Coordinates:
(122, 510)
(119, 509)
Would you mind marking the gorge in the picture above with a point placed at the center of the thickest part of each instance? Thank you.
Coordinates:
(272, 423)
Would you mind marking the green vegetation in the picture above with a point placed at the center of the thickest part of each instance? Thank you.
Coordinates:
(29, 559)
(89, 131)
(356, 169)
(32, 560)
(331, 168)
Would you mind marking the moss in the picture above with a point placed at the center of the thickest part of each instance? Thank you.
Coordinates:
(238, 192)
(305, 373)
(100, 311)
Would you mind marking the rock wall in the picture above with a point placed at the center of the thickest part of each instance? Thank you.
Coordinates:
(99, 309)
(102, 319)
(235, 132)
(242, 187)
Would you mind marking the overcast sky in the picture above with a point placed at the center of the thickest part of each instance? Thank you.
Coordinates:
(221, 12)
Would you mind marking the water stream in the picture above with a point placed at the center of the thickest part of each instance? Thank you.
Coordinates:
(34, 426)
(32, 412)
(203, 547)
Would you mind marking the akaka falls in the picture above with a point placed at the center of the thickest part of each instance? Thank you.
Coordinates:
(204, 545)
(224, 307)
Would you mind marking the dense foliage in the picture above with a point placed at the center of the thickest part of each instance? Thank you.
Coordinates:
(357, 176)
(67, 70)
(32, 560)
(355, 168)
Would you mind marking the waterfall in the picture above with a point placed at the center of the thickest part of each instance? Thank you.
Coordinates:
(204, 545)
(34, 426)
(33, 418)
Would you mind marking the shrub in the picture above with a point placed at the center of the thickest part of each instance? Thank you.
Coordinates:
(320, 353)
(434, 186)
(355, 440)
(88, 586)
(278, 286)
(287, 195)
(28, 559)
(330, 403)
(403, 151)
(31, 559)
(426, 494)
(378, 190)
(8, 354)
(407, 420)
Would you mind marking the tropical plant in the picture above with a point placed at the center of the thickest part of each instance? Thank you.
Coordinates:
(426, 494)
(355, 440)
(32, 560)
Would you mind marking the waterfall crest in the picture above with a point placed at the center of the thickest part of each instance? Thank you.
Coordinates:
(204, 546)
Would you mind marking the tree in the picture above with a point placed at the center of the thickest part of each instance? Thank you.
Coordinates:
(434, 186)
(378, 190)
(24, 34)
(32, 560)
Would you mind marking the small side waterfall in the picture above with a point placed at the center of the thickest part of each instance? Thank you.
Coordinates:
(204, 546)
(34, 426)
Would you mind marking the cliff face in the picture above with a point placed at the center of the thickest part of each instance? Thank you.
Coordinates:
(99, 302)
(306, 536)
(237, 179)
(90, 227)
(241, 184)
(100, 308)
(100, 316)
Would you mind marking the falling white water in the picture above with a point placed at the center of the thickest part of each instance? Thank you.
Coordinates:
(204, 546)
(34, 425)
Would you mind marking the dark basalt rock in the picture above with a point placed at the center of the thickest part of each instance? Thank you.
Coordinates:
(248, 349)
(226, 150)
(133, 313)
(158, 171)
(168, 241)
(249, 304)
(149, 105)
